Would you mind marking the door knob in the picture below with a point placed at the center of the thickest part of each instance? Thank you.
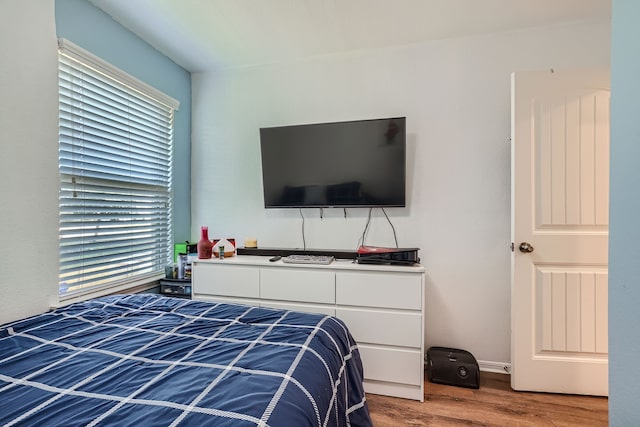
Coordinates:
(525, 247)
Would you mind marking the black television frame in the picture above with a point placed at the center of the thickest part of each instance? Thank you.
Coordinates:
(391, 136)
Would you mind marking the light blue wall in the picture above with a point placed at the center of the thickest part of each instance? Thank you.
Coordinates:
(90, 28)
(624, 237)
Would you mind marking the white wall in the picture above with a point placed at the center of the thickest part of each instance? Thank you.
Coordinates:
(29, 160)
(455, 94)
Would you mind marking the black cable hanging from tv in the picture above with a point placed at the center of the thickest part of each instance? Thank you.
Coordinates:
(395, 238)
(304, 242)
(364, 232)
(366, 228)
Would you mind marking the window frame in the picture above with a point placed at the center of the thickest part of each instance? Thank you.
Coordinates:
(95, 66)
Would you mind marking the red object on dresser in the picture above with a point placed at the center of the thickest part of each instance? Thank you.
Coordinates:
(204, 245)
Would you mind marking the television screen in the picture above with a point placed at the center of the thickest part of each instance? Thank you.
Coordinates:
(344, 164)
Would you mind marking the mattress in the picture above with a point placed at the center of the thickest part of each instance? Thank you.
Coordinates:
(149, 360)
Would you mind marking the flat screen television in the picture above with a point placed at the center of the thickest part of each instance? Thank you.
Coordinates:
(342, 164)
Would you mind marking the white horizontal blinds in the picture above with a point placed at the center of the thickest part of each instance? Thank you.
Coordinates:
(115, 154)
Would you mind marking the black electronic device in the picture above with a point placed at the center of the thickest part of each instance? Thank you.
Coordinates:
(359, 163)
(275, 258)
(270, 252)
(180, 288)
(452, 366)
(380, 255)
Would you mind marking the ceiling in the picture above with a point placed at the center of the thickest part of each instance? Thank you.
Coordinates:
(202, 35)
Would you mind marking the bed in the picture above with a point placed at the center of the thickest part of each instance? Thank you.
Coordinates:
(149, 360)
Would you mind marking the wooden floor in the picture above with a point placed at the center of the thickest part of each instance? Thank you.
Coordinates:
(494, 404)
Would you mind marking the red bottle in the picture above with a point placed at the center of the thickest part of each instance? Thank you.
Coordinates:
(204, 245)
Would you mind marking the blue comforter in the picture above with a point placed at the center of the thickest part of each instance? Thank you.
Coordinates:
(146, 360)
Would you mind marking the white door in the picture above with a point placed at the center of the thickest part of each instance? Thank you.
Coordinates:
(560, 197)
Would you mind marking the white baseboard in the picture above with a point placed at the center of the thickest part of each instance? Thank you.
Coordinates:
(497, 367)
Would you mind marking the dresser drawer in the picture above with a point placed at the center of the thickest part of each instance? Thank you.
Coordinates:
(379, 289)
(298, 285)
(227, 300)
(392, 365)
(305, 308)
(383, 327)
(226, 280)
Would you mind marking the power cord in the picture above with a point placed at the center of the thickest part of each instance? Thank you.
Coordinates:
(304, 242)
(392, 227)
(366, 228)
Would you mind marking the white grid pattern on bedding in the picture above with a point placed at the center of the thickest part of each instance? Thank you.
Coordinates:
(133, 397)
(287, 379)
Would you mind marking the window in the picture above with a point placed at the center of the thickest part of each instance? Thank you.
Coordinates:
(115, 157)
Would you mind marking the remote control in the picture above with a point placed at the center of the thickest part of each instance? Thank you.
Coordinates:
(275, 258)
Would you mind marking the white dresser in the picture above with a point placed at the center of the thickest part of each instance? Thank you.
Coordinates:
(382, 305)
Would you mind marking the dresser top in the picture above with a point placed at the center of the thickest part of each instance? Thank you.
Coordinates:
(337, 264)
